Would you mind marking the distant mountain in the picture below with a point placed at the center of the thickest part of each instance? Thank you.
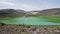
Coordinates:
(22, 13)
(11, 13)
(49, 12)
(55, 11)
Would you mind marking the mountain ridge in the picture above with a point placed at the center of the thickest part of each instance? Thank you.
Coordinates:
(22, 13)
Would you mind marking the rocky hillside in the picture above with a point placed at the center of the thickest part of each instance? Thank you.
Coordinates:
(55, 11)
(49, 12)
(22, 13)
(11, 13)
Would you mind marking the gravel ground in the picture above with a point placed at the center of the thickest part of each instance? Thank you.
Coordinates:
(22, 29)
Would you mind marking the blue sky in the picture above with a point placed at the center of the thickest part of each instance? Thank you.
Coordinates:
(28, 5)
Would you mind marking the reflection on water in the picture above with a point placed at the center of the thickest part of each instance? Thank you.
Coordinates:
(33, 21)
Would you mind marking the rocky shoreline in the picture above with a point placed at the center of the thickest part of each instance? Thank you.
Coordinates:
(24, 29)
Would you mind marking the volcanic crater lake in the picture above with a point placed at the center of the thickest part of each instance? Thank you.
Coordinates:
(43, 20)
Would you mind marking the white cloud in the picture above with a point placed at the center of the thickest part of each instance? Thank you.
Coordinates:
(29, 7)
(25, 6)
(9, 4)
(6, 4)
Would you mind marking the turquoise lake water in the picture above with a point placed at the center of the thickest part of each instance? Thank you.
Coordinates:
(32, 21)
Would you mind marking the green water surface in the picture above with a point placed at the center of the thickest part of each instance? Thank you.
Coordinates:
(42, 20)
